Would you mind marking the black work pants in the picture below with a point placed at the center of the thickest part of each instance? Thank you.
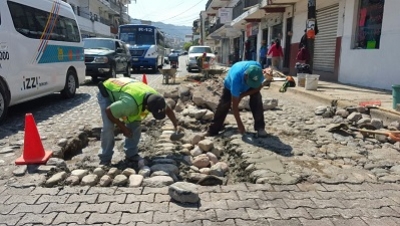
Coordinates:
(224, 105)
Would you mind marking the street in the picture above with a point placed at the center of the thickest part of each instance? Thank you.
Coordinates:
(301, 174)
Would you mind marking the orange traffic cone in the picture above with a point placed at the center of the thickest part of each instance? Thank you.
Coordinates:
(33, 152)
(144, 79)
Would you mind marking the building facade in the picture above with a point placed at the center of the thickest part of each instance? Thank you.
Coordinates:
(355, 44)
(100, 18)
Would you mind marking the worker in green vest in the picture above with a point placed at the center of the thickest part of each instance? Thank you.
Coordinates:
(126, 102)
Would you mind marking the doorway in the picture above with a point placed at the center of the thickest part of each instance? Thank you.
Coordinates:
(265, 35)
(288, 40)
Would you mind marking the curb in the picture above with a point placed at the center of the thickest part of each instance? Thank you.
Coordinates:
(386, 117)
(313, 95)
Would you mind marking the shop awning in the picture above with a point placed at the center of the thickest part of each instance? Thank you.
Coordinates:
(254, 14)
(277, 6)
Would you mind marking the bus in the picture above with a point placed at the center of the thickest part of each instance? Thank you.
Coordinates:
(41, 51)
(146, 45)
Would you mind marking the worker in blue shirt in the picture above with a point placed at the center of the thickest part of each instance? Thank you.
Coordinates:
(244, 78)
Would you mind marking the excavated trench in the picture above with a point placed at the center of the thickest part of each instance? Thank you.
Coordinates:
(156, 150)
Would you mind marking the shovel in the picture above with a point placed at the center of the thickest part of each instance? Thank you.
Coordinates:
(393, 135)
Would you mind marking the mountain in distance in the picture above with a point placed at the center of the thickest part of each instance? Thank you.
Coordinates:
(170, 30)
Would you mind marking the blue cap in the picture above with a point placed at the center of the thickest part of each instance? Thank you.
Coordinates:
(255, 76)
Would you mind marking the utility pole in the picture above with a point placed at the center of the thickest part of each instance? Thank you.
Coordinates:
(121, 19)
(312, 30)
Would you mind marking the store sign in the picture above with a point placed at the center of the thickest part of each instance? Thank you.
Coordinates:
(225, 15)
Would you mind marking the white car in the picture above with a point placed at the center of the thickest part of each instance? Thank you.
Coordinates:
(196, 51)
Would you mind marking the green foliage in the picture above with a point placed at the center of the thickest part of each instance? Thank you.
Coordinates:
(187, 45)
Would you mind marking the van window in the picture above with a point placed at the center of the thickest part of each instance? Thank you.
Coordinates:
(31, 22)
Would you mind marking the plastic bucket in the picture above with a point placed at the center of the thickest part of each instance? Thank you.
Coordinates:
(301, 79)
(312, 82)
(396, 95)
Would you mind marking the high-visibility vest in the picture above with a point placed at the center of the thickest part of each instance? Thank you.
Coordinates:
(134, 88)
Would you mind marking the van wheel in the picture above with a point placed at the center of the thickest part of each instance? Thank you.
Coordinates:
(70, 85)
(4, 101)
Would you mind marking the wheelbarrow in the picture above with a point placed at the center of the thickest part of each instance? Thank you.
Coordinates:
(168, 74)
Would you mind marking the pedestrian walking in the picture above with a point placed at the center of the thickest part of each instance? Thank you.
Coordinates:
(244, 79)
(269, 56)
(126, 102)
(277, 53)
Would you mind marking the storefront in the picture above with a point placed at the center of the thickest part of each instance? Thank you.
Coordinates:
(236, 49)
(251, 42)
(370, 44)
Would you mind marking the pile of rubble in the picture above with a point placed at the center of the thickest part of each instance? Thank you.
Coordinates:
(353, 119)
(194, 158)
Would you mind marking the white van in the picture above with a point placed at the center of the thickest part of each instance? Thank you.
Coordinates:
(41, 51)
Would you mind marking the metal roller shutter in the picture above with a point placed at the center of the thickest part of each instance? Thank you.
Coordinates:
(325, 41)
(225, 51)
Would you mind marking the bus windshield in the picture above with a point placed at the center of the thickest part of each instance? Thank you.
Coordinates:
(137, 35)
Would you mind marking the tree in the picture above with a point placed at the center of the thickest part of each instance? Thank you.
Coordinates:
(187, 45)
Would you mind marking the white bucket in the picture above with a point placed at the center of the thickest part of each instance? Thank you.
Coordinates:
(301, 79)
(312, 82)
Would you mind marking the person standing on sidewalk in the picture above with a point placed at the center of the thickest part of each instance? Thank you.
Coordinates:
(126, 102)
(269, 57)
(244, 79)
(277, 53)
(263, 54)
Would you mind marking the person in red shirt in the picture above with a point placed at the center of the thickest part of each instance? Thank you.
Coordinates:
(277, 53)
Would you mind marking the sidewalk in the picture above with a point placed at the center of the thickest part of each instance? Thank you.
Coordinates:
(347, 96)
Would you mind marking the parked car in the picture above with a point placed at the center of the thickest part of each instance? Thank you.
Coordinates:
(197, 51)
(106, 57)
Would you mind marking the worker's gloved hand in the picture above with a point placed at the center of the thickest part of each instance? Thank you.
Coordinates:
(179, 133)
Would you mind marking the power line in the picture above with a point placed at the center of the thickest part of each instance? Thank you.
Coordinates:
(172, 7)
(184, 11)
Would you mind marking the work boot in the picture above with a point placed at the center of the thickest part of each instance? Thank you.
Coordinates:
(262, 133)
(105, 163)
(136, 161)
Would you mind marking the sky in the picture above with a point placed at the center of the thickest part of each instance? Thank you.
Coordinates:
(177, 12)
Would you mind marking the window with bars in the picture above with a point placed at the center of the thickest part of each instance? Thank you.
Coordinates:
(369, 24)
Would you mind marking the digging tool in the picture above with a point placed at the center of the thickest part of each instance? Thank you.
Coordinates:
(176, 136)
(376, 104)
(394, 135)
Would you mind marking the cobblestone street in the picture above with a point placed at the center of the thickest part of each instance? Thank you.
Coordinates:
(304, 175)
